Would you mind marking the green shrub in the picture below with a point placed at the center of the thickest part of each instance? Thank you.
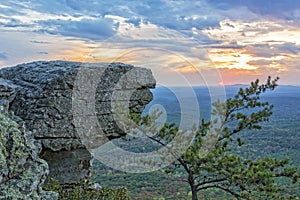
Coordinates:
(82, 190)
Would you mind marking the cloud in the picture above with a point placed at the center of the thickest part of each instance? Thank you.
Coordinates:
(176, 15)
(11, 22)
(97, 29)
(290, 48)
(135, 21)
(272, 50)
(246, 35)
(88, 19)
(3, 56)
(280, 9)
(181, 15)
(19, 48)
(42, 53)
(152, 38)
(236, 76)
(225, 45)
(39, 42)
(261, 62)
(261, 47)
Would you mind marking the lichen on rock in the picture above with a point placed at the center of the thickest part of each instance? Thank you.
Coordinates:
(22, 172)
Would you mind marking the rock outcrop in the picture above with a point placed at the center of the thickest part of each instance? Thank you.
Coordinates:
(22, 172)
(42, 94)
(7, 94)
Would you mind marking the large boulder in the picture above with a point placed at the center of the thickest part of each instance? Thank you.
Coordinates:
(22, 172)
(42, 94)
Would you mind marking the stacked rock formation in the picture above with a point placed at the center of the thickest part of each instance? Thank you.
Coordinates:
(55, 100)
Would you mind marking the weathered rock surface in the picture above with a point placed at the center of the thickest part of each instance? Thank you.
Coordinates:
(42, 94)
(7, 93)
(22, 172)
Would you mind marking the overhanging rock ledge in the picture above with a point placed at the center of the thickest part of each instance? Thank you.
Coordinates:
(41, 94)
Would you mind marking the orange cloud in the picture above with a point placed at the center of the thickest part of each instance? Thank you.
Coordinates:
(237, 76)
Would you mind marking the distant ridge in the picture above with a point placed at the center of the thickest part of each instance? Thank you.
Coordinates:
(238, 84)
(205, 86)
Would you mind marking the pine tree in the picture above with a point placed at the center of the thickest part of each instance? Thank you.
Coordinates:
(217, 165)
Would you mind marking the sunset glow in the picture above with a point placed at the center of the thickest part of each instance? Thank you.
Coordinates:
(239, 41)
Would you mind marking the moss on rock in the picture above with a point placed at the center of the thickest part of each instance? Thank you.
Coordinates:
(22, 172)
(86, 189)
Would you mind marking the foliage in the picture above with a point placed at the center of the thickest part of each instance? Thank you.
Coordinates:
(83, 190)
(141, 186)
(216, 166)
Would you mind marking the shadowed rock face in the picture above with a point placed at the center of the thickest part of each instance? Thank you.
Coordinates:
(59, 100)
(7, 93)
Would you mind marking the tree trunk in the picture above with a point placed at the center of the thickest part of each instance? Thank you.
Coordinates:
(192, 186)
(194, 192)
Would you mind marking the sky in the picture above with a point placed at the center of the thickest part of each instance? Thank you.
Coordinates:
(192, 42)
